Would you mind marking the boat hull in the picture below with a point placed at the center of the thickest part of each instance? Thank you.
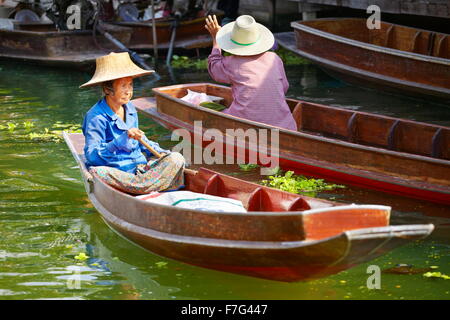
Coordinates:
(190, 34)
(379, 59)
(287, 261)
(59, 48)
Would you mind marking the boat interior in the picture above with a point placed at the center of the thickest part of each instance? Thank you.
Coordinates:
(390, 35)
(254, 197)
(351, 126)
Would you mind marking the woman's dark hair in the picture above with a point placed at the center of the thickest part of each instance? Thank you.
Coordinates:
(107, 87)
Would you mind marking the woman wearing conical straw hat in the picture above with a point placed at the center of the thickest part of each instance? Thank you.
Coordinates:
(256, 75)
(111, 132)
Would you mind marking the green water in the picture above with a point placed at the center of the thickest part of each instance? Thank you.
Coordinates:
(46, 219)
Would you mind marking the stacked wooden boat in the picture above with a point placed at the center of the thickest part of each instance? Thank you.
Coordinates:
(283, 236)
(394, 57)
(392, 155)
(42, 43)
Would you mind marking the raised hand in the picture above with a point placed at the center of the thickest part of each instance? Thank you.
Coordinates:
(212, 26)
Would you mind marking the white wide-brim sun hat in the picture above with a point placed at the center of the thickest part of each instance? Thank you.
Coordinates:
(245, 37)
(115, 66)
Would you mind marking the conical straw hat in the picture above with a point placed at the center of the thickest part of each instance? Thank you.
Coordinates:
(115, 66)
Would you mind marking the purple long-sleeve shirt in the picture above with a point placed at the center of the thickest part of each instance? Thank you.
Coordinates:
(258, 86)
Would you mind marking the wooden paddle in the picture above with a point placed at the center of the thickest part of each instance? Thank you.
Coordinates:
(145, 144)
(159, 155)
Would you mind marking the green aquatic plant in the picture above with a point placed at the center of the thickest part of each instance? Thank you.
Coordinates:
(186, 62)
(69, 126)
(274, 171)
(298, 184)
(55, 135)
(290, 58)
(161, 264)
(248, 167)
(81, 256)
(11, 126)
(28, 125)
(436, 275)
(43, 136)
(213, 106)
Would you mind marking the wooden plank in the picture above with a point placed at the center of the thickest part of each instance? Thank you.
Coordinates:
(351, 128)
(441, 49)
(297, 115)
(389, 35)
(391, 136)
(436, 143)
(414, 42)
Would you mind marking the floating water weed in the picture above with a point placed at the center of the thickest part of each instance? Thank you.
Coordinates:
(161, 264)
(81, 256)
(436, 275)
(290, 58)
(55, 135)
(28, 124)
(248, 167)
(186, 62)
(11, 126)
(298, 184)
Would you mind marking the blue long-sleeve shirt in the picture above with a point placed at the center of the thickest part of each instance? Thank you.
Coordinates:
(107, 142)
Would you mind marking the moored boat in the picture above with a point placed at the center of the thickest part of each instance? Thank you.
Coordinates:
(283, 236)
(190, 34)
(42, 43)
(393, 155)
(394, 57)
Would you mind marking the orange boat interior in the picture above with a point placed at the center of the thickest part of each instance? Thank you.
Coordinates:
(253, 196)
(259, 198)
(352, 126)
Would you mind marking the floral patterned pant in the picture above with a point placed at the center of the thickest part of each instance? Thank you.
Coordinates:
(165, 173)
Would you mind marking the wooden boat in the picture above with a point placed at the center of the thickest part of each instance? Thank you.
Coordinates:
(190, 34)
(284, 237)
(367, 150)
(41, 43)
(394, 57)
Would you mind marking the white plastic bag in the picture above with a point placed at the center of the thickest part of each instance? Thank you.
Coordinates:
(196, 97)
(194, 201)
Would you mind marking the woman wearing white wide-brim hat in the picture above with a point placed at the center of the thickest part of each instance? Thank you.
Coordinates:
(256, 75)
(111, 132)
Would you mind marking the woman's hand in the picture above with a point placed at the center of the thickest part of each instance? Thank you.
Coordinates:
(212, 26)
(135, 133)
